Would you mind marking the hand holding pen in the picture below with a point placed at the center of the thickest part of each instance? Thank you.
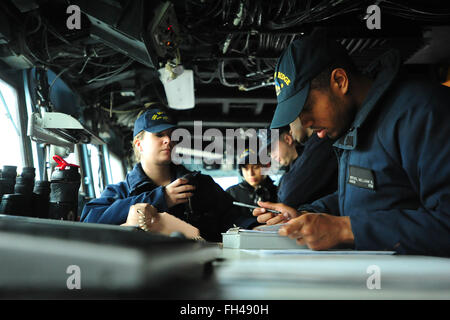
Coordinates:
(266, 215)
(240, 204)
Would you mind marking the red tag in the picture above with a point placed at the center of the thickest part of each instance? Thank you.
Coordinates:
(62, 164)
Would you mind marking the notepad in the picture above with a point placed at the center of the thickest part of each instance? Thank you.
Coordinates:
(269, 228)
(265, 237)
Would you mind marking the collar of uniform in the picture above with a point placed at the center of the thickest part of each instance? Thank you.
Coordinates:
(384, 70)
(245, 185)
(137, 177)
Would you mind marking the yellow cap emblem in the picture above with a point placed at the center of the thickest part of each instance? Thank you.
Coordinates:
(160, 115)
(280, 85)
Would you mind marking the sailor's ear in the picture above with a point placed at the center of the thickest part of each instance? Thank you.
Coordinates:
(138, 145)
(288, 138)
(339, 81)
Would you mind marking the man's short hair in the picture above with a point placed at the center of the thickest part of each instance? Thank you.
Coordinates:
(283, 130)
(322, 80)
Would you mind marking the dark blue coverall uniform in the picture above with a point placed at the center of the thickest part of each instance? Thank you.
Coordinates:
(245, 193)
(394, 170)
(211, 210)
(312, 175)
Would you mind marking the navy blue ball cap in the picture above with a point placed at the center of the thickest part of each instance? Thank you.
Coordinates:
(154, 121)
(302, 60)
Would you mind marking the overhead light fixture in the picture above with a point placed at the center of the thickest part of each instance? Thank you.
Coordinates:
(127, 94)
(59, 129)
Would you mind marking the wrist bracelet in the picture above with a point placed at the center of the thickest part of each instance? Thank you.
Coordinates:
(142, 221)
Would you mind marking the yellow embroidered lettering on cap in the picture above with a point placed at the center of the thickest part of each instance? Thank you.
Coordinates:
(283, 77)
(279, 86)
(160, 115)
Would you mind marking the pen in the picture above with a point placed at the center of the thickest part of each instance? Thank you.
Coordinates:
(253, 207)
